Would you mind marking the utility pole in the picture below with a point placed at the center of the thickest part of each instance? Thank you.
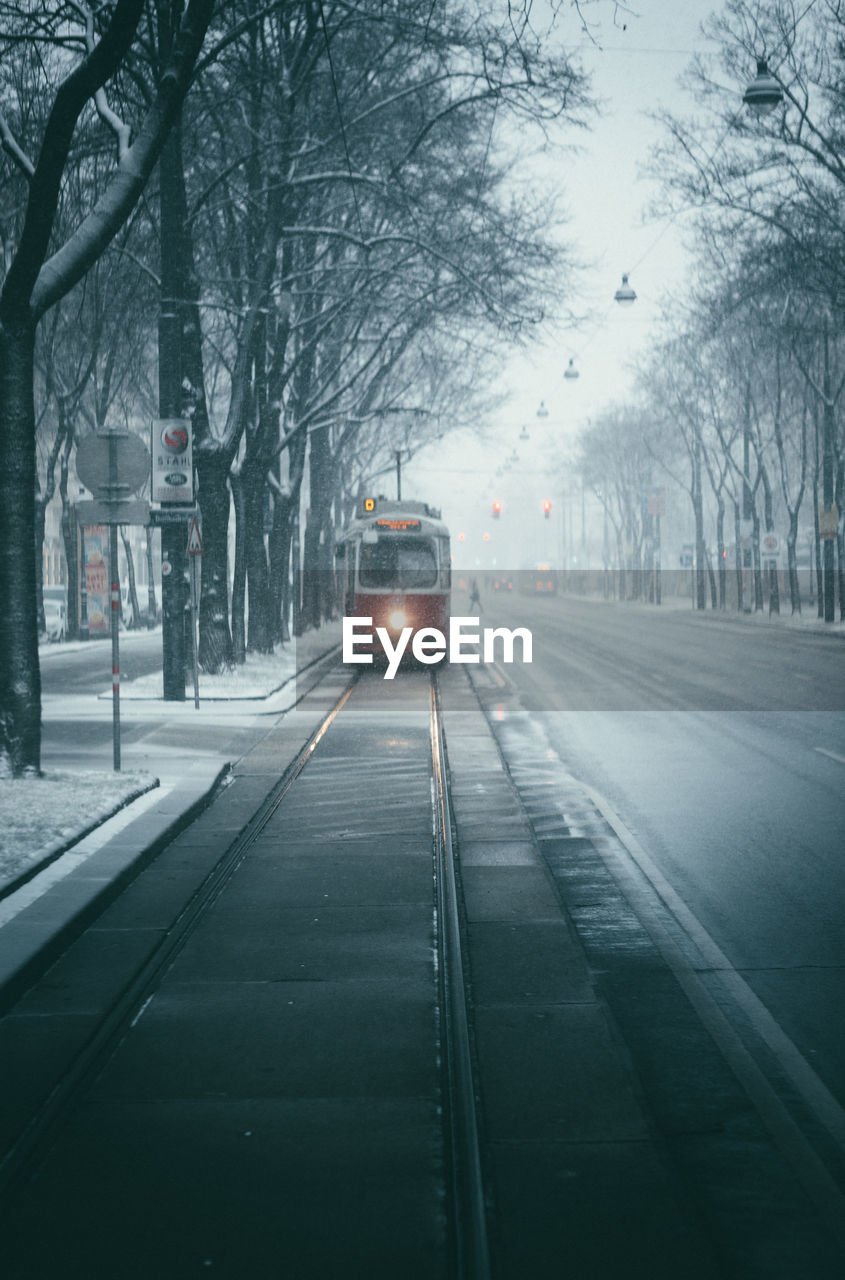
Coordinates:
(828, 532)
(173, 566)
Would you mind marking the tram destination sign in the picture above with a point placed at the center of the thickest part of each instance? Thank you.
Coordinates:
(171, 447)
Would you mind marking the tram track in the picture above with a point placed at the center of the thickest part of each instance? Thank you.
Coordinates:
(464, 1190)
(467, 1183)
(25, 1153)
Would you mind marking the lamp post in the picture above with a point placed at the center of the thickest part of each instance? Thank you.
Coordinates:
(764, 93)
(625, 295)
(828, 516)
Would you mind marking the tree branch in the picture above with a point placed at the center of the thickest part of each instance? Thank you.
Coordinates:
(61, 272)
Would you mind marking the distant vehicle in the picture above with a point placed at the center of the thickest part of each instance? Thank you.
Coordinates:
(502, 583)
(55, 619)
(539, 581)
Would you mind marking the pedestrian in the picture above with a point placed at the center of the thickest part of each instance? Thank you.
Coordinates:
(474, 597)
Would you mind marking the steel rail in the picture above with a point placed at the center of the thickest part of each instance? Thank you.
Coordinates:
(35, 1139)
(467, 1184)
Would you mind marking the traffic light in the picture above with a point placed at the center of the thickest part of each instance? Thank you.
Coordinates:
(497, 510)
(547, 507)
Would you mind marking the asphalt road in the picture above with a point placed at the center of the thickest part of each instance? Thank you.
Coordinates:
(721, 746)
(74, 668)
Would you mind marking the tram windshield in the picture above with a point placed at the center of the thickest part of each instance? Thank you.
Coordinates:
(398, 564)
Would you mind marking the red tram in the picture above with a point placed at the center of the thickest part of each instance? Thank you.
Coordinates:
(394, 566)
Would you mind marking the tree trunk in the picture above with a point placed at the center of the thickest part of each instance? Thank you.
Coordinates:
(712, 577)
(130, 574)
(259, 634)
(792, 562)
(20, 675)
(621, 563)
(239, 574)
(38, 549)
(152, 606)
(70, 540)
(700, 552)
(320, 496)
(839, 499)
(720, 549)
(279, 555)
(771, 567)
(738, 556)
(758, 574)
(215, 652)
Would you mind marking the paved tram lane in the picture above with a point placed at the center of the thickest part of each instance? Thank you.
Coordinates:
(275, 1100)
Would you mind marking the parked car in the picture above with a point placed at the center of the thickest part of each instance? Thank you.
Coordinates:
(55, 619)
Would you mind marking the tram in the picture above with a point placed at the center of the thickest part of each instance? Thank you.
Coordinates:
(394, 565)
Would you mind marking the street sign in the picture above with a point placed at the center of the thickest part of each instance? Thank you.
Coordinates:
(770, 544)
(828, 521)
(194, 547)
(687, 555)
(173, 467)
(131, 456)
(171, 514)
(123, 511)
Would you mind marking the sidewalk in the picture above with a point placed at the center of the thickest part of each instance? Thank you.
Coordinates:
(807, 620)
(173, 761)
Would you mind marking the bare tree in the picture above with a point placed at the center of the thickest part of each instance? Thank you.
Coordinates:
(39, 274)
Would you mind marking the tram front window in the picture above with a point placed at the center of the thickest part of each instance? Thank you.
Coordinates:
(397, 564)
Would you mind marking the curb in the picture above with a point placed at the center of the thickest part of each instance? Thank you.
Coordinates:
(26, 958)
(55, 850)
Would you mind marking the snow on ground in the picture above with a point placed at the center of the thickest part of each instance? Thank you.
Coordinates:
(260, 675)
(40, 816)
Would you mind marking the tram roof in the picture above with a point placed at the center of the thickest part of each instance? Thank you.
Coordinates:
(388, 514)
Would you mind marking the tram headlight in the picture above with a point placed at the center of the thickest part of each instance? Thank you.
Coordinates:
(397, 620)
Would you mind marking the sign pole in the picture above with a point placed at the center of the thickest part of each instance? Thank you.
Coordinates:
(195, 631)
(194, 551)
(114, 616)
(657, 582)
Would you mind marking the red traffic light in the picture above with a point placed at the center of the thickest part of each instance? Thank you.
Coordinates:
(497, 510)
(547, 506)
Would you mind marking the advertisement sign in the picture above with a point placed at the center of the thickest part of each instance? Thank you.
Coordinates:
(172, 458)
(96, 570)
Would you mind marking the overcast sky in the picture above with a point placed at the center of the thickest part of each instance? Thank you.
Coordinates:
(633, 71)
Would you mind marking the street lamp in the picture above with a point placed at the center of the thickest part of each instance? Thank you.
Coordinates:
(625, 295)
(763, 93)
(570, 371)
